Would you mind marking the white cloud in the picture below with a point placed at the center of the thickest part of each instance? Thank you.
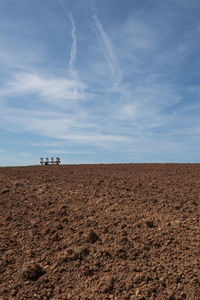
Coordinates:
(136, 35)
(17, 54)
(146, 104)
(73, 127)
(108, 51)
(73, 49)
(53, 90)
(25, 154)
(57, 151)
(129, 111)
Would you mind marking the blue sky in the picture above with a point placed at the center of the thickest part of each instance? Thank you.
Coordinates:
(99, 81)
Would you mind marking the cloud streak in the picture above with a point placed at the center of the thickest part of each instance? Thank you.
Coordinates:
(108, 51)
(70, 127)
(53, 90)
(73, 52)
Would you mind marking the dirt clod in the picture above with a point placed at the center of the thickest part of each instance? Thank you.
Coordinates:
(4, 191)
(32, 271)
(80, 252)
(107, 284)
(150, 224)
(92, 237)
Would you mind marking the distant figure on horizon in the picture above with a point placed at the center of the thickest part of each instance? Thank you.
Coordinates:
(57, 160)
(52, 161)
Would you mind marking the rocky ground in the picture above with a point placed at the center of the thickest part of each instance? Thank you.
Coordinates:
(126, 231)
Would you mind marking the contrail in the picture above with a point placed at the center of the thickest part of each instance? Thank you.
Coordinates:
(73, 51)
(73, 48)
(108, 51)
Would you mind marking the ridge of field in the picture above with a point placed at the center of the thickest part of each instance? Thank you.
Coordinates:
(118, 231)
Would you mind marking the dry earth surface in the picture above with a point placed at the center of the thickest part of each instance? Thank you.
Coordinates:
(126, 231)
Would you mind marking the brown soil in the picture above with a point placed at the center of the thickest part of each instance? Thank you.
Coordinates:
(100, 232)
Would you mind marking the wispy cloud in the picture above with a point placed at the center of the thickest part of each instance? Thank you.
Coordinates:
(73, 52)
(72, 61)
(108, 51)
(158, 98)
(54, 90)
(72, 127)
(57, 151)
(25, 154)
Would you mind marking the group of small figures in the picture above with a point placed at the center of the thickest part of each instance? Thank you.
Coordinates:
(51, 161)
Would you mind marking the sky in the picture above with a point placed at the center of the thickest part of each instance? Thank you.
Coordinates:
(105, 81)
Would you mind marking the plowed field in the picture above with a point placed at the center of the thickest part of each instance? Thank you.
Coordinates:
(126, 231)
